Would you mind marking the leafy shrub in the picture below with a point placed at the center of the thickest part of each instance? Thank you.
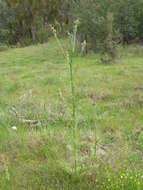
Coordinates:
(94, 24)
(126, 24)
(127, 18)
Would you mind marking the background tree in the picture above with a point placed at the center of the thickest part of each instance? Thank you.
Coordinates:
(27, 21)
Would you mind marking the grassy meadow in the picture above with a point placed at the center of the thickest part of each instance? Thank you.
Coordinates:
(35, 96)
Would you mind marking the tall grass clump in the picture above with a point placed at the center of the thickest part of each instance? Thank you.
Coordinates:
(68, 55)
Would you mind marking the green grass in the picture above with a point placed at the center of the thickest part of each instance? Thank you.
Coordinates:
(35, 82)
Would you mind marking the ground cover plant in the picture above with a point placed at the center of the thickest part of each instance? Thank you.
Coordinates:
(36, 148)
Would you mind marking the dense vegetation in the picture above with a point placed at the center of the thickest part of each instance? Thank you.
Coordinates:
(28, 20)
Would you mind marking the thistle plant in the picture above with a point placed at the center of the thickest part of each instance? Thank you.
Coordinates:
(69, 58)
(74, 114)
(76, 25)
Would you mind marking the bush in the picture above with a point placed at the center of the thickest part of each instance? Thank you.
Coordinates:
(43, 34)
(127, 22)
(127, 19)
(94, 24)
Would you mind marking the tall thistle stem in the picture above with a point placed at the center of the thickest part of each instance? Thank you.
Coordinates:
(69, 58)
(74, 117)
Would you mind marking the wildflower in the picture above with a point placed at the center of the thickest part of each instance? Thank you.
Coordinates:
(14, 128)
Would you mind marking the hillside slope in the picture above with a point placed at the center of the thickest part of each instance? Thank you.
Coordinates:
(34, 86)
